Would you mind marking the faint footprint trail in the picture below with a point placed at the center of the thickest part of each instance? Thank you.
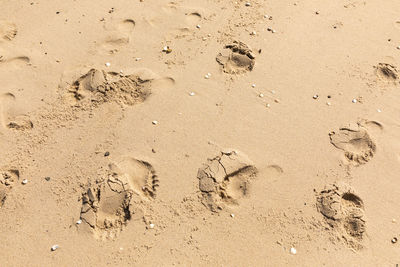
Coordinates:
(8, 31)
(225, 179)
(356, 143)
(387, 73)
(344, 212)
(109, 205)
(236, 58)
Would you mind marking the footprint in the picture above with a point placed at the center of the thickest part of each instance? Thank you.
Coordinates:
(118, 37)
(225, 179)
(8, 30)
(344, 211)
(387, 72)
(98, 86)
(106, 208)
(140, 176)
(193, 18)
(127, 26)
(7, 180)
(356, 143)
(236, 58)
(11, 118)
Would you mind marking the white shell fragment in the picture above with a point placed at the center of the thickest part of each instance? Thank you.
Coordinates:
(54, 247)
(253, 85)
(78, 221)
(354, 100)
(165, 49)
(151, 226)
(207, 76)
(267, 105)
(25, 181)
(108, 64)
(248, 4)
(379, 110)
(328, 103)
(232, 215)
(253, 33)
(192, 93)
(261, 95)
(293, 251)
(154, 122)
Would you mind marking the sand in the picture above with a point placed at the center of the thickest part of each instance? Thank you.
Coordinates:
(199, 133)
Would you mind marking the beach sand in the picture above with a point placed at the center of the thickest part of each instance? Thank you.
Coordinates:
(199, 133)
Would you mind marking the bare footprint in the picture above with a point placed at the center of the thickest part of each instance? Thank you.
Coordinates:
(118, 37)
(225, 179)
(140, 176)
(8, 30)
(344, 212)
(106, 208)
(11, 117)
(7, 179)
(236, 58)
(14, 63)
(387, 72)
(98, 86)
(356, 143)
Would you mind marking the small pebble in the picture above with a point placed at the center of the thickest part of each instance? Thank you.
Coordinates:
(47, 178)
(198, 26)
(269, 29)
(78, 221)
(266, 16)
(138, 58)
(273, 31)
(232, 215)
(248, 4)
(191, 93)
(354, 100)
(393, 220)
(273, 91)
(317, 12)
(261, 95)
(328, 103)
(106, 154)
(379, 110)
(151, 226)
(253, 33)
(267, 105)
(253, 85)
(293, 251)
(394, 240)
(277, 101)
(155, 122)
(398, 47)
(315, 97)
(53, 248)
(25, 181)
(108, 64)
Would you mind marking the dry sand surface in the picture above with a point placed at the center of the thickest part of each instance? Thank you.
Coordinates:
(200, 133)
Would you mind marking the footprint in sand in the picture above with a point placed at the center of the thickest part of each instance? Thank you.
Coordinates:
(14, 63)
(108, 206)
(356, 143)
(98, 86)
(225, 179)
(8, 31)
(118, 37)
(11, 117)
(344, 212)
(236, 58)
(387, 72)
(7, 179)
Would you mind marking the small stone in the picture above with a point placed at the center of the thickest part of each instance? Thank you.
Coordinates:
(379, 110)
(315, 97)
(138, 58)
(277, 101)
(253, 85)
(151, 226)
(354, 100)
(273, 91)
(393, 220)
(192, 94)
(394, 240)
(253, 33)
(293, 251)
(78, 222)
(54, 247)
(155, 122)
(261, 95)
(47, 178)
(328, 103)
(268, 105)
(198, 26)
(106, 154)
(266, 16)
(317, 12)
(25, 181)
(108, 64)
(398, 47)
(232, 215)
(273, 31)
(248, 4)
(269, 29)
